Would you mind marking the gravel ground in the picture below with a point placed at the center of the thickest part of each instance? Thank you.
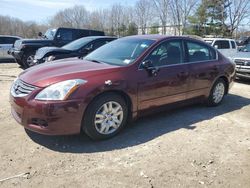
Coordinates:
(194, 146)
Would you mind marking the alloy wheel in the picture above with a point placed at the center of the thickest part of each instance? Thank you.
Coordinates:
(108, 117)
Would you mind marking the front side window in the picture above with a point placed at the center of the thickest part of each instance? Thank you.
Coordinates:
(222, 44)
(199, 52)
(167, 53)
(120, 52)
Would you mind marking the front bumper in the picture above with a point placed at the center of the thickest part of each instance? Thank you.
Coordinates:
(17, 54)
(48, 117)
(243, 71)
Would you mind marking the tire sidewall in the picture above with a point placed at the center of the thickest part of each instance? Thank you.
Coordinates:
(25, 58)
(211, 101)
(88, 125)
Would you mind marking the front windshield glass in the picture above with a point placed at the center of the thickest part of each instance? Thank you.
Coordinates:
(77, 44)
(50, 34)
(120, 52)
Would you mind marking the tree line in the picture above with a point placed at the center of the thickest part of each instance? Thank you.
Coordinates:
(202, 17)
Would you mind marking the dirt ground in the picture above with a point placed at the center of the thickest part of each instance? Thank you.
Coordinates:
(194, 146)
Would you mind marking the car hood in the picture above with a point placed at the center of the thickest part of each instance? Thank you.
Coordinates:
(41, 52)
(50, 73)
(242, 55)
(39, 42)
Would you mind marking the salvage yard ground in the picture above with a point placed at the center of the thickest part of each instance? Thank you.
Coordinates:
(194, 146)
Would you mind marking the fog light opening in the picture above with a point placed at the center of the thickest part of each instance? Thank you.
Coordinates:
(39, 122)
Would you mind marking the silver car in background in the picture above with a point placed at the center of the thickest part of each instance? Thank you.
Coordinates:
(6, 42)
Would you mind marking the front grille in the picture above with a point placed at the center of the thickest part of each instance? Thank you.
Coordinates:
(21, 89)
(242, 62)
(239, 62)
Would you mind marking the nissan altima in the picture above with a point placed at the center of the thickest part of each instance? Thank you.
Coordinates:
(118, 82)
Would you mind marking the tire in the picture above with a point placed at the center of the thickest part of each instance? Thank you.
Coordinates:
(27, 60)
(217, 93)
(19, 63)
(101, 123)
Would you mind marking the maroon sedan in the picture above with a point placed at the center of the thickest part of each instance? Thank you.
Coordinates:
(118, 81)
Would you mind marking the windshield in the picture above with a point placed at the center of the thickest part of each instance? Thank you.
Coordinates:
(77, 44)
(50, 34)
(121, 52)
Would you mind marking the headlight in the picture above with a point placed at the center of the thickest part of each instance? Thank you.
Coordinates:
(50, 58)
(60, 90)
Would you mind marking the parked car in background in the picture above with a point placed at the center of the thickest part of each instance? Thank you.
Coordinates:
(120, 80)
(78, 48)
(227, 47)
(24, 50)
(245, 48)
(242, 61)
(6, 42)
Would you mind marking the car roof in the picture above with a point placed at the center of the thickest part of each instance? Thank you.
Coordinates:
(158, 37)
(10, 36)
(100, 37)
(218, 39)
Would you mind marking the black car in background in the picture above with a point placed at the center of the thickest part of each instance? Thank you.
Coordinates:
(25, 49)
(77, 48)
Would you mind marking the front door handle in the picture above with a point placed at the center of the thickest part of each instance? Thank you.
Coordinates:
(183, 74)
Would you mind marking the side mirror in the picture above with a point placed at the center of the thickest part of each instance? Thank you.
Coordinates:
(147, 64)
(216, 46)
(40, 34)
(85, 50)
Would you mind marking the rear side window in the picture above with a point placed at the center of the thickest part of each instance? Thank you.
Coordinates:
(199, 52)
(65, 35)
(167, 53)
(233, 44)
(222, 44)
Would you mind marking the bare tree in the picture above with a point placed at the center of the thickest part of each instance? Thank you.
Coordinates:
(162, 11)
(14, 26)
(238, 11)
(144, 13)
(76, 17)
(180, 11)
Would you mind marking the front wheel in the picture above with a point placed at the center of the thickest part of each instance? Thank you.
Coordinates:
(28, 60)
(217, 93)
(105, 116)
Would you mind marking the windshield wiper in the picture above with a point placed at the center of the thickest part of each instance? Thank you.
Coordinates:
(94, 60)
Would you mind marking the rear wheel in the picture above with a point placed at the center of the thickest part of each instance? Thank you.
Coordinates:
(105, 116)
(217, 93)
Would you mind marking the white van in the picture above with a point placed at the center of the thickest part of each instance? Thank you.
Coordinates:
(227, 47)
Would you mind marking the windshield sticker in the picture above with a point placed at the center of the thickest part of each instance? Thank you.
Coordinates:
(127, 61)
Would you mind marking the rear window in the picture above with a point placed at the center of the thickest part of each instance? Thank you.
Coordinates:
(222, 44)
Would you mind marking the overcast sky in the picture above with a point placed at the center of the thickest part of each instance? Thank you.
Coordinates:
(41, 10)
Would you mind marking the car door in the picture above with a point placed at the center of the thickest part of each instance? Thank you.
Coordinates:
(203, 66)
(168, 82)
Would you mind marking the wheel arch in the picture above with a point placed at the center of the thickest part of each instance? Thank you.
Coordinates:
(121, 93)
